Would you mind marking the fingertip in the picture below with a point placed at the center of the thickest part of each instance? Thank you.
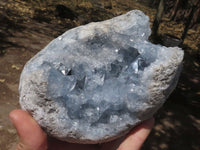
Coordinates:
(16, 114)
(137, 136)
(148, 124)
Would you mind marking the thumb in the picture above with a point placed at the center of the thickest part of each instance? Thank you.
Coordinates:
(31, 136)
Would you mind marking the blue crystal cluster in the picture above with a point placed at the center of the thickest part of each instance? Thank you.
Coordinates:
(95, 82)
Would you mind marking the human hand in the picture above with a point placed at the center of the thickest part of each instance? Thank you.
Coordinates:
(32, 137)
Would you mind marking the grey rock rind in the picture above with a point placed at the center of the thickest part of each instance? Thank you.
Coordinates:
(96, 82)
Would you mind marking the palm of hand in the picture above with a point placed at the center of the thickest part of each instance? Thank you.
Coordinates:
(59, 145)
(32, 137)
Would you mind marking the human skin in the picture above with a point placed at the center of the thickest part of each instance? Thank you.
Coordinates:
(32, 137)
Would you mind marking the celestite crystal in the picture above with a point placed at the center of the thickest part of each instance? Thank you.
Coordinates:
(95, 82)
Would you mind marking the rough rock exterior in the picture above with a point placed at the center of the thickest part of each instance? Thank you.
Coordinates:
(95, 82)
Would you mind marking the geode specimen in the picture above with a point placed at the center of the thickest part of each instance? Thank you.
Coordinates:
(95, 82)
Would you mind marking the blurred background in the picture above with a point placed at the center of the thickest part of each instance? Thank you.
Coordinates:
(26, 26)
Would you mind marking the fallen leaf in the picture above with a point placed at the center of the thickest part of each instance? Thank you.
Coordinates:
(2, 80)
(15, 67)
(196, 64)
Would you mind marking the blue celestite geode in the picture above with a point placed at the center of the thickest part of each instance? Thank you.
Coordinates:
(95, 82)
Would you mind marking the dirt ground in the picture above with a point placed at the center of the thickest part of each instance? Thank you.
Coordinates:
(24, 32)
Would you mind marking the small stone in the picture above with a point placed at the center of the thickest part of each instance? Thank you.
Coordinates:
(1, 127)
(96, 82)
(11, 131)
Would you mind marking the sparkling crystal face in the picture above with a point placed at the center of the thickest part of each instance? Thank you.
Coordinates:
(98, 93)
(95, 82)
